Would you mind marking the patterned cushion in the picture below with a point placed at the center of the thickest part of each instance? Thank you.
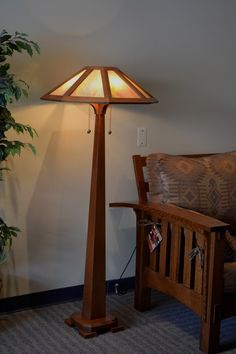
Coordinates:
(204, 184)
(230, 247)
(231, 240)
(230, 277)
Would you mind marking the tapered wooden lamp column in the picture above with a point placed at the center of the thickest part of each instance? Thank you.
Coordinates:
(98, 86)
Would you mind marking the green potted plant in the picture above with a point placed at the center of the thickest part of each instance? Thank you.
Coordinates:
(11, 90)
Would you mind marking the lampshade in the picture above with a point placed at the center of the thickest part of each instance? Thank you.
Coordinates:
(96, 84)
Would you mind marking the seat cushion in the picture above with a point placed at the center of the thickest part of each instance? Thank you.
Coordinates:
(230, 277)
(204, 184)
(231, 241)
(230, 247)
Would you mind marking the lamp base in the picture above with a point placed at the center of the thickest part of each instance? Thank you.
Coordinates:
(91, 328)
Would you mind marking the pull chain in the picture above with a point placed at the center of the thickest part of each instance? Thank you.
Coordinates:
(110, 131)
(89, 119)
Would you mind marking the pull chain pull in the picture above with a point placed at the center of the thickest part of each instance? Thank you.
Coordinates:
(110, 131)
(89, 120)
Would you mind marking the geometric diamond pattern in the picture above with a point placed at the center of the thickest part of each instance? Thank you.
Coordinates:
(189, 196)
(205, 184)
(184, 167)
(213, 195)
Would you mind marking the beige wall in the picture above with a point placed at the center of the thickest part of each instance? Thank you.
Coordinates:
(182, 51)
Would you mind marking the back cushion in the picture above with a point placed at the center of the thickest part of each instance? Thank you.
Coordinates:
(204, 184)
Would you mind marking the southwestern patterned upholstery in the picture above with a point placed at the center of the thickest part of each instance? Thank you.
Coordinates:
(205, 184)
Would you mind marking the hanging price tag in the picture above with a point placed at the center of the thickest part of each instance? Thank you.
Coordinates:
(154, 238)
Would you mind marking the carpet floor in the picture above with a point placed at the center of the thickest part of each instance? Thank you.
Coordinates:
(168, 328)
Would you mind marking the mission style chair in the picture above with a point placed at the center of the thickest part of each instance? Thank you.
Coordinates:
(201, 283)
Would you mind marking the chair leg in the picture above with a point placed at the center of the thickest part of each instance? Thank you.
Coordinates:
(210, 336)
(142, 297)
(213, 294)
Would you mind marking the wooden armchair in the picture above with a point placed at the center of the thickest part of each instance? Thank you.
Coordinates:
(197, 284)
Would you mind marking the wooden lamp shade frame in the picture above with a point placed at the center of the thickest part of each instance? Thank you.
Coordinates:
(93, 319)
(143, 96)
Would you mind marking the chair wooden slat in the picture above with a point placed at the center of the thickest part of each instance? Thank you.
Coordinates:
(187, 262)
(175, 253)
(163, 248)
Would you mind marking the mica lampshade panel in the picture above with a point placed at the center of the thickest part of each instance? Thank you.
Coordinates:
(100, 85)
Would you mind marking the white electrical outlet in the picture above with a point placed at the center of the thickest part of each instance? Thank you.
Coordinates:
(141, 136)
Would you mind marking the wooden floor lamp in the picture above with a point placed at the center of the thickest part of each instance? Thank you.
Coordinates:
(98, 86)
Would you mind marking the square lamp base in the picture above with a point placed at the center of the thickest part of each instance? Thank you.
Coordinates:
(91, 328)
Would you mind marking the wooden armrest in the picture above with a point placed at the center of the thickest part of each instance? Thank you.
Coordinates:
(185, 217)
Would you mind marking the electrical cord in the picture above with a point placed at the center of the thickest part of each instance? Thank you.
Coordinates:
(118, 289)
